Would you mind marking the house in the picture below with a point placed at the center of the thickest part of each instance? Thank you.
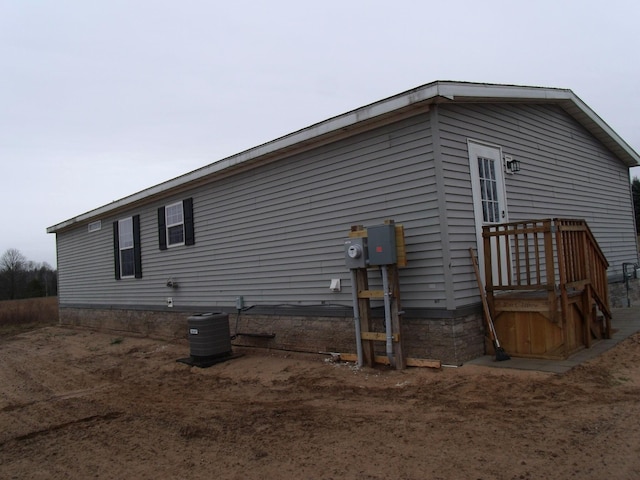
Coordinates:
(266, 227)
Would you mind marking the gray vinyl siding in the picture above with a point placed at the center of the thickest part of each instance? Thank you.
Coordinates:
(275, 234)
(565, 172)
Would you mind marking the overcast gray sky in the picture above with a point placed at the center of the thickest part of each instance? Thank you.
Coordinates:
(99, 100)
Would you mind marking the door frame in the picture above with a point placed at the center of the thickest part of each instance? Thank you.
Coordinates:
(478, 148)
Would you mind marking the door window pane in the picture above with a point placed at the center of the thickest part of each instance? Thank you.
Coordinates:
(489, 190)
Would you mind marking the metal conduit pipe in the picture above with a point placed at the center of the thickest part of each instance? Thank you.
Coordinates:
(628, 275)
(356, 316)
(387, 315)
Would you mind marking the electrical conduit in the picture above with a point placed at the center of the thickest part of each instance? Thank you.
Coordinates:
(356, 316)
(387, 315)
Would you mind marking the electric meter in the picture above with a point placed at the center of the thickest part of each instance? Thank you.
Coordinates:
(355, 253)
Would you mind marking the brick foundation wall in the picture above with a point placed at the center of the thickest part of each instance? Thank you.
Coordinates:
(618, 293)
(164, 325)
(451, 340)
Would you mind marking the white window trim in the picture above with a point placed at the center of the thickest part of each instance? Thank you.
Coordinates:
(169, 225)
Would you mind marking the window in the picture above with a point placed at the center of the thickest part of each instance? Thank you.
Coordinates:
(175, 224)
(125, 238)
(95, 226)
(489, 190)
(126, 248)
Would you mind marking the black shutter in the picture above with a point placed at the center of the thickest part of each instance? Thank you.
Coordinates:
(116, 250)
(162, 229)
(187, 210)
(137, 252)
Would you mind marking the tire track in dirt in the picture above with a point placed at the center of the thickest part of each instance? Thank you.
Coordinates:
(54, 428)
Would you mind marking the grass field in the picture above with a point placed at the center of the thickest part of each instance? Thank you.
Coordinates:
(19, 315)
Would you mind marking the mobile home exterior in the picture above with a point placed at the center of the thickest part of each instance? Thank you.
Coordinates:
(269, 224)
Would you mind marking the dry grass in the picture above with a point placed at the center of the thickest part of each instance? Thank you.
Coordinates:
(19, 315)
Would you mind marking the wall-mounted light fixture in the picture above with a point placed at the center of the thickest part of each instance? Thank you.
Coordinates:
(511, 165)
(172, 283)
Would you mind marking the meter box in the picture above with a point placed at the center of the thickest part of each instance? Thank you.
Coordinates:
(355, 253)
(382, 244)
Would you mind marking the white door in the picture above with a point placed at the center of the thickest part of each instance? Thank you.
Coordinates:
(489, 198)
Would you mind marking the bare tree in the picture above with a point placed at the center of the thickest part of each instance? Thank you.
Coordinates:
(12, 268)
(49, 278)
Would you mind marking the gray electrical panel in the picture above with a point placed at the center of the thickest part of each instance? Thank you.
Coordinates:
(355, 253)
(382, 244)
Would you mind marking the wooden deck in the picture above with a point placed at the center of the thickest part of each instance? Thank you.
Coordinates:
(546, 287)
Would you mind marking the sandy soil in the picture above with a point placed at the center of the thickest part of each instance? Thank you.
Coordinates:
(79, 404)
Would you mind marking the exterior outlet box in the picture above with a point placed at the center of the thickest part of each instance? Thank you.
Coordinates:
(239, 303)
(355, 253)
(382, 244)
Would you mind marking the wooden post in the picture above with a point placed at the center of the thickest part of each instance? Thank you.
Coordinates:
(551, 276)
(589, 313)
(396, 323)
(362, 284)
(589, 309)
(488, 270)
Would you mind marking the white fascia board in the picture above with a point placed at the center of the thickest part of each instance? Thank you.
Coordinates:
(334, 124)
(608, 136)
(453, 91)
(565, 97)
(487, 92)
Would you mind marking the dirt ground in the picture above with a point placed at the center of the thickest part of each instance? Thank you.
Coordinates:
(79, 404)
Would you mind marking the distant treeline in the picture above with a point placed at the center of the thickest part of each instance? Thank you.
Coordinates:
(21, 278)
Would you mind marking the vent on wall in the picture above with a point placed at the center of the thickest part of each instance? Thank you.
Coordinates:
(95, 226)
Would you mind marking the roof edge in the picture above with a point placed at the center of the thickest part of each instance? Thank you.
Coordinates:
(428, 93)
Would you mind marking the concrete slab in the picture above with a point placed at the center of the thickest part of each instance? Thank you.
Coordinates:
(626, 322)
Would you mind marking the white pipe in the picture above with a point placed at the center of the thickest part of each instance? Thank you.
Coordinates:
(356, 316)
(387, 315)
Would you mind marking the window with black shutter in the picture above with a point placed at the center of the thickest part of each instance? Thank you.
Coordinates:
(175, 224)
(126, 248)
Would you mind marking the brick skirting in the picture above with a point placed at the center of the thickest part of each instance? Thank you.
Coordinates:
(451, 340)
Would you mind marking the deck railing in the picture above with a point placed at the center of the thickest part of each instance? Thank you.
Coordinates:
(559, 256)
